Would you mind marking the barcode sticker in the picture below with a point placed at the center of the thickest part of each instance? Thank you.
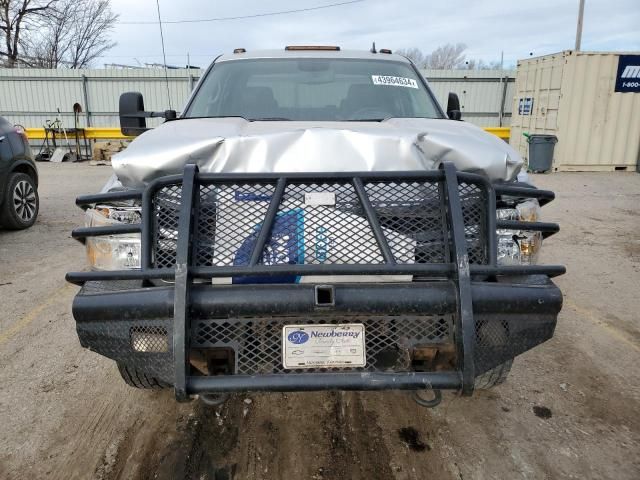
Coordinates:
(319, 198)
(394, 81)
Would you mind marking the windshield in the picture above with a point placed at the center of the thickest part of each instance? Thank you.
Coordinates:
(312, 89)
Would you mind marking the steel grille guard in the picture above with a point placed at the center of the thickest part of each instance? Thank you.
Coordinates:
(458, 269)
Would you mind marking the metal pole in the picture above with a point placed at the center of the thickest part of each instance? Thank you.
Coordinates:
(85, 93)
(164, 55)
(504, 97)
(501, 109)
(579, 27)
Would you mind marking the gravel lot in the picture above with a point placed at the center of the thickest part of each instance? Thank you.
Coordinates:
(569, 410)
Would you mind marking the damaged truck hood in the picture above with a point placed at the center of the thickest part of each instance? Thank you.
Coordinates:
(235, 145)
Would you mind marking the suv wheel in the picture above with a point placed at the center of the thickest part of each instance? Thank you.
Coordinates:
(20, 206)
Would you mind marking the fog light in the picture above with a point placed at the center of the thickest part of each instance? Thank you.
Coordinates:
(149, 339)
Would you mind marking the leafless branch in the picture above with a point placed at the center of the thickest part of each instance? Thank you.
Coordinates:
(447, 56)
(56, 33)
(15, 17)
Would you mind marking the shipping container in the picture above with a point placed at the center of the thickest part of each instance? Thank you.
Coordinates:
(589, 100)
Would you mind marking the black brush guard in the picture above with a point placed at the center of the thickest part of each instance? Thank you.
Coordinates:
(480, 294)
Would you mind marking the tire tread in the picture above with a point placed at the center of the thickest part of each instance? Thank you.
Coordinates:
(495, 376)
(7, 217)
(137, 379)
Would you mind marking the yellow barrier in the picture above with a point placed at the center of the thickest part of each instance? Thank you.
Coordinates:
(99, 133)
(500, 132)
(96, 133)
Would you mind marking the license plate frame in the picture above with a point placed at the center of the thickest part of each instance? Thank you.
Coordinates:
(314, 346)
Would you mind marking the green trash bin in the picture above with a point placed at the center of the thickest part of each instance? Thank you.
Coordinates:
(541, 152)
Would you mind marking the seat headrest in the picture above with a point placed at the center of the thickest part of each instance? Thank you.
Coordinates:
(258, 102)
(367, 96)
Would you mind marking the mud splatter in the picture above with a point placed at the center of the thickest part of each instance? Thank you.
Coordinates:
(542, 412)
(411, 437)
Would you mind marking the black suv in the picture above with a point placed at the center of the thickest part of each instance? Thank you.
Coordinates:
(18, 179)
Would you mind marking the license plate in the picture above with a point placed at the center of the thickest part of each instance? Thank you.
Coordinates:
(323, 346)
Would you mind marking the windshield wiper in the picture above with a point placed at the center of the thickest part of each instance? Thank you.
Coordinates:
(368, 119)
(270, 119)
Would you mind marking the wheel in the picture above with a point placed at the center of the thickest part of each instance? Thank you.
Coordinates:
(20, 206)
(213, 399)
(138, 379)
(493, 377)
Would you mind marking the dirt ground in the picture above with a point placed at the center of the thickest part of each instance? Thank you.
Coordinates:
(569, 410)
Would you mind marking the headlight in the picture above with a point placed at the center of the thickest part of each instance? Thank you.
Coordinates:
(113, 252)
(519, 247)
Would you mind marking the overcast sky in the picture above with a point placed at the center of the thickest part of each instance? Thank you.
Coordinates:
(487, 27)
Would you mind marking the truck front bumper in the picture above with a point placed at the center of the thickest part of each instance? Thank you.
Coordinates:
(401, 320)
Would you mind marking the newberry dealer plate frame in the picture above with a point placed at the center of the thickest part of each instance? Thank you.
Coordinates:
(457, 269)
(358, 356)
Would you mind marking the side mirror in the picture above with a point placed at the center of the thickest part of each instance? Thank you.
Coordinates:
(133, 120)
(453, 107)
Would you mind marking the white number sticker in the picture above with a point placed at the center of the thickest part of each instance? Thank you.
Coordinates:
(394, 81)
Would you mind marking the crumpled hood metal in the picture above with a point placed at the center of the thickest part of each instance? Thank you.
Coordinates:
(238, 146)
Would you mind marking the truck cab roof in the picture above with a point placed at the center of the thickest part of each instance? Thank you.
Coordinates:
(311, 52)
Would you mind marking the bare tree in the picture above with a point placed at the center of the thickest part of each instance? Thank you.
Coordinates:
(16, 16)
(413, 54)
(444, 57)
(74, 35)
(474, 64)
(447, 56)
(49, 43)
(93, 25)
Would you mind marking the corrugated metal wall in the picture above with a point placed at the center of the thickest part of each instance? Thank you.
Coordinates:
(30, 97)
(574, 98)
(482, 93)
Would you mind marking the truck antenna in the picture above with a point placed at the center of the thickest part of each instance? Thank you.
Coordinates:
(164, 56)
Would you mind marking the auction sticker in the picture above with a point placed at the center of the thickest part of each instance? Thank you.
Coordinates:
(323, 346)
(394, 81)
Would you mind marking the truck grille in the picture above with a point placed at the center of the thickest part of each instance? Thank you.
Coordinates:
(334, 231)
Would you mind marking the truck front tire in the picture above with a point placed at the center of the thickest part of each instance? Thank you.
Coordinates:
(493, 377)
(136, 378)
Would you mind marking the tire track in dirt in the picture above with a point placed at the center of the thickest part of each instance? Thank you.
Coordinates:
(195, 445)
(414, 437)
(95, 426)
(318, 436)
(356, 447)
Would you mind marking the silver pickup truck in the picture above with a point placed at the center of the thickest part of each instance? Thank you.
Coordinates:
(313, 220)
